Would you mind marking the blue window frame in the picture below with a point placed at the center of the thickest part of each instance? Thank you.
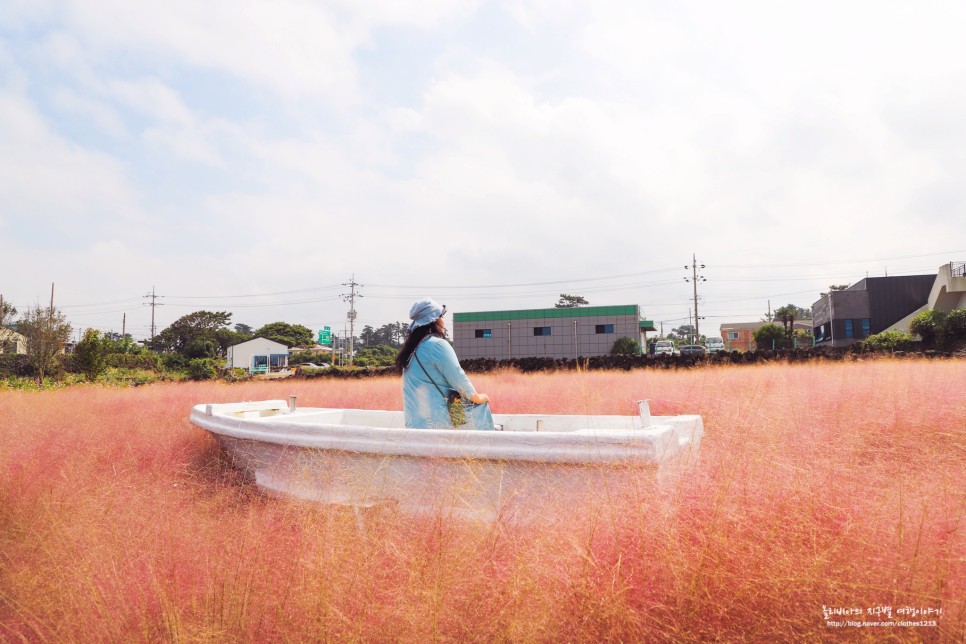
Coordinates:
(866, 327)
(541, 330)
(484, 333)
(604, 328)
(848, 329)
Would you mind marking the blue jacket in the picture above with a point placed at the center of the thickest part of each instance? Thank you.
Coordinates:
(423, 404)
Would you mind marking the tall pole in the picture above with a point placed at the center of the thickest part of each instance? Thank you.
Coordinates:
(576, 354)
(124, 326)
(694, 279)
(153, 304)
(350, 297)
(51, 312)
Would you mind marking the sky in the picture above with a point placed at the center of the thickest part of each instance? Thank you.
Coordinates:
(257, 157)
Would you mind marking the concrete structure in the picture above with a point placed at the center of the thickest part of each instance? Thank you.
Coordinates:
(948, 292)
(258, 355)
(547, 333)
(12, 342)
(869, 306)
(739, 336)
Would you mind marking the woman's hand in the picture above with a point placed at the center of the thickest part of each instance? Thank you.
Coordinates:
(479, 399)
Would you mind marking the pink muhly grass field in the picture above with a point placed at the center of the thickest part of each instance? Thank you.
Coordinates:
(832, 485)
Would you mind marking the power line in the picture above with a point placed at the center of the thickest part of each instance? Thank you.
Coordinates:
(849, 261)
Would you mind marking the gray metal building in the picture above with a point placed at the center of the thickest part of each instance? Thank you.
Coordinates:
(547, 333)
(869, 306)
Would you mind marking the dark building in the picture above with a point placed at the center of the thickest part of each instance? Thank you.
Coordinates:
(869, 306)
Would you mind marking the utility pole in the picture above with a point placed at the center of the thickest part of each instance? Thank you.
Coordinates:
(694, 279)
(153, 304)
(50, 315)
(350, 297)
(124, 326)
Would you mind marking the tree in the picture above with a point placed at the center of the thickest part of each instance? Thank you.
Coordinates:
(770, 336)
(833, 287)
(570, 301)
(7, 312)
(200, 324)
(795, 312)
(225, 338)
(626, 347)
(46, 331)
(244, 328)
(291, 335)
(117, 343)
(368, 336)
(91, 354)
(202, 347)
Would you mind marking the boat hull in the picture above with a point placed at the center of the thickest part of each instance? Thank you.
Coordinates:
(367, 458)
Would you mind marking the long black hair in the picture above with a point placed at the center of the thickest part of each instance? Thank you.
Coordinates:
(416, 336)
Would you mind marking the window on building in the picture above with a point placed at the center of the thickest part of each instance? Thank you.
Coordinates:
(604, 328)
(848, 329)
(732, 335)
(866, 327)
(483, 333)
(541, 330)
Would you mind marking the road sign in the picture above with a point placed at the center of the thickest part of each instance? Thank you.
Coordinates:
(325, 336)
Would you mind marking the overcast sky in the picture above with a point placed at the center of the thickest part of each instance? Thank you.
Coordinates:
(253, 156)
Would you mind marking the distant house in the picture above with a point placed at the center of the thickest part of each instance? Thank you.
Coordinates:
(258, 355)
(869, 306)
(740, 336)
(12, 342)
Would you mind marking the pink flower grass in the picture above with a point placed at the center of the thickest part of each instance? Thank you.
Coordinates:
(837, 485)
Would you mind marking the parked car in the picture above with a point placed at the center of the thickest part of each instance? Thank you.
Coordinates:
(692, 350)
(312, 365)
(664, 346)
(714, 344)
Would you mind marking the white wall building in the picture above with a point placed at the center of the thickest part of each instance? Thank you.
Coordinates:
(12, 342)
(258, 354)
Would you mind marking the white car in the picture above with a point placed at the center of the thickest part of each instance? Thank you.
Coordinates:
(664, 346)
(714, 344)
(312, 365)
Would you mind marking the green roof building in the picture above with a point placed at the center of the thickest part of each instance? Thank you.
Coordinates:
(547, 333)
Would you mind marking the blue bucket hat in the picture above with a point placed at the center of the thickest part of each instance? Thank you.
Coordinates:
(425, 311)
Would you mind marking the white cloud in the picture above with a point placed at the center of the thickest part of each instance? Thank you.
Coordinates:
(46, 177)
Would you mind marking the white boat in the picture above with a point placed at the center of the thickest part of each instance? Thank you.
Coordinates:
(532, 468)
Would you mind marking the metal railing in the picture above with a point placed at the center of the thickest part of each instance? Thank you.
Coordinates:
(957, 269)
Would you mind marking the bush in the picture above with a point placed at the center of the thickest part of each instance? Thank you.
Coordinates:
(770, 336)
(237, 374)
(889, 341)
(626, 347)
(91, 354)
(954, 330)
(12, 364)
(940, 330)
(174, 361)
(928, 325)
(203, 369)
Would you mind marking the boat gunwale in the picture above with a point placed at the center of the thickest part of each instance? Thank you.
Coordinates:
(648, 446)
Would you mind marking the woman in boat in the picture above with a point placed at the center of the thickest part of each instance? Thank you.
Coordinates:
(432, 373)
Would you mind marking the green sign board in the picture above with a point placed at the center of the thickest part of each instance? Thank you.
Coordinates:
(325, 336)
